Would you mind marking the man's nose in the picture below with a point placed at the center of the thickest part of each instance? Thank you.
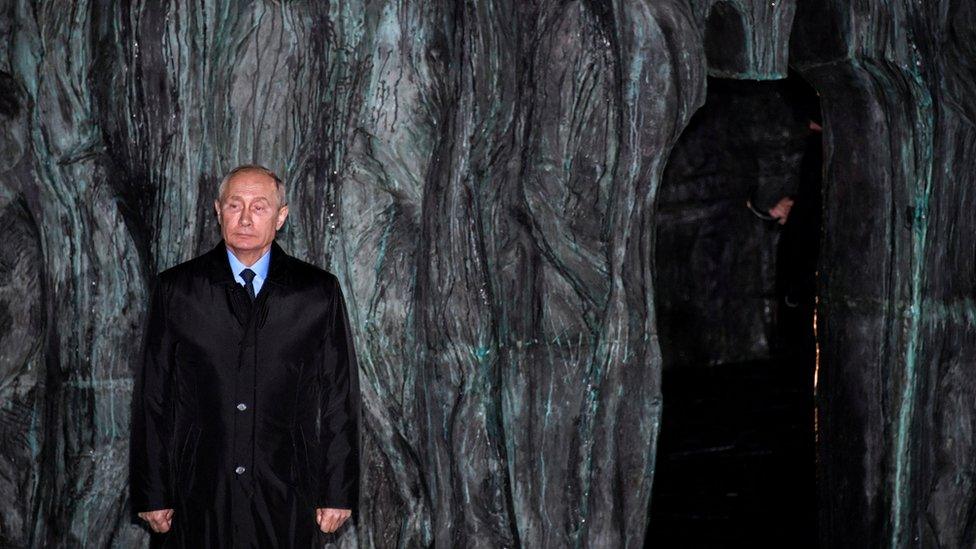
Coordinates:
(245, 217)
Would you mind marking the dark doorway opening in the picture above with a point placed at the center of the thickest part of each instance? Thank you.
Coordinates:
(736, 304)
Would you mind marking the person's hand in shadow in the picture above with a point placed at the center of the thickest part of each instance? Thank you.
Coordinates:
(781, 210)
(159, 521)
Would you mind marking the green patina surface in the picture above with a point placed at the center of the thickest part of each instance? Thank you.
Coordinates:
(481, 176)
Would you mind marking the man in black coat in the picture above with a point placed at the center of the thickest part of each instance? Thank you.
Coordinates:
(245, 410)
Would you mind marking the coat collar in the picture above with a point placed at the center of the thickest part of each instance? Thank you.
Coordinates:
(218, 268)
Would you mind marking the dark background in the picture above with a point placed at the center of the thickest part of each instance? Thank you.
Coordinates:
(736, 462)
(715, 261)
(487, 180)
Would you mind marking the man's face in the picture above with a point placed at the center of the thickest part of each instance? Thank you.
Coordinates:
(249, 213)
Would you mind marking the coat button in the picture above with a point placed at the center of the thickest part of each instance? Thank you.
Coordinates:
(242, 406)
(239, 470)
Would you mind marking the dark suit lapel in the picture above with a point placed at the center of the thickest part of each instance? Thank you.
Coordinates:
(279, 271)
(217, 267)
(279, 278)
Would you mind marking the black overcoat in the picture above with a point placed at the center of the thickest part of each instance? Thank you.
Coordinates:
(245, 415)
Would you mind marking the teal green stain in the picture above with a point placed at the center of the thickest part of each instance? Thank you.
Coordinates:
(481, 353)
(113, 430)
(749, 74)
(906, 401)
(32, 439)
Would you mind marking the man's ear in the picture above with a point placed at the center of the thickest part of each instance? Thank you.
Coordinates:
(217, 210)
(282, 214)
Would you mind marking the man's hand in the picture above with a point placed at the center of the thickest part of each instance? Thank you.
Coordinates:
(331, 519)
(782, 209)
(159, 521)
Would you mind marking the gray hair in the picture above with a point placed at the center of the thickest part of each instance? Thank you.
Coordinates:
(279, 184)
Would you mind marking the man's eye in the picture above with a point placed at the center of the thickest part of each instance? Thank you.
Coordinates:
(259, 208)
(232, 206)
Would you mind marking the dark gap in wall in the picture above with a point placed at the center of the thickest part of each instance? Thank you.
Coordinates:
(736, 294)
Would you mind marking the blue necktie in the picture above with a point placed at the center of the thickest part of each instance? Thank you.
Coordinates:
(248, 276)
